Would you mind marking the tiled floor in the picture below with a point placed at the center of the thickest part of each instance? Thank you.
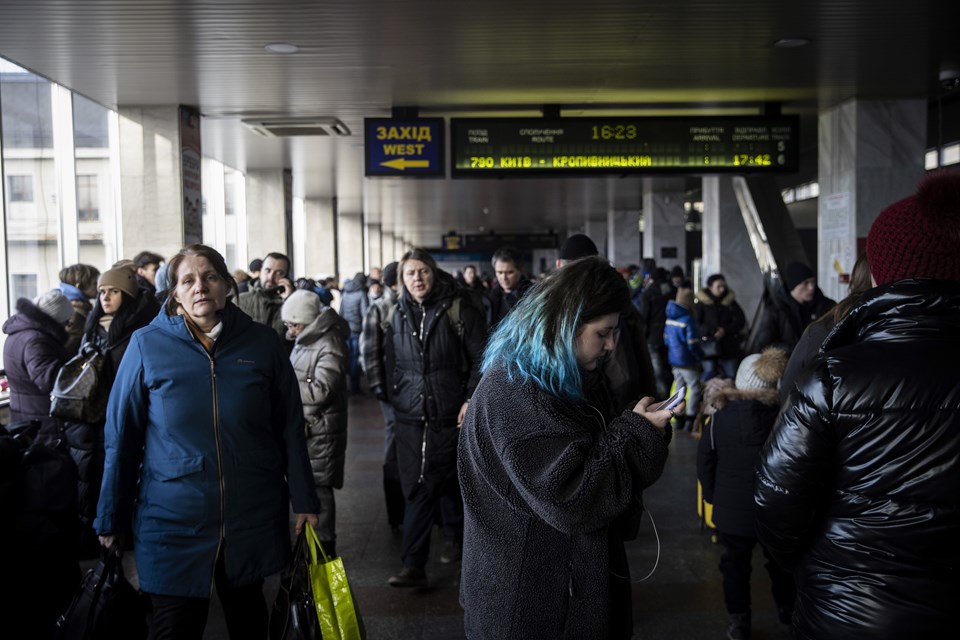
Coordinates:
(681, 600)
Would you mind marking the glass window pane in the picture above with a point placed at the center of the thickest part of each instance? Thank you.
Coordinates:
(30, 184)
(96, 220)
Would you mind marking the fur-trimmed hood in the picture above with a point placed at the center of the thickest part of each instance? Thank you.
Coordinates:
(769, 397)
(705, 296)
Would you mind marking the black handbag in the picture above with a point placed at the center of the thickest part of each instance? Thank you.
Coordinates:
(80, 391)
(106, 606)
(294, 614)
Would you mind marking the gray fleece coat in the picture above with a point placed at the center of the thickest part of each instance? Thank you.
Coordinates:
(543, 480)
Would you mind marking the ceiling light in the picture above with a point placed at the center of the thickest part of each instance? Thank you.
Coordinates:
(281, 47)
(791, 43)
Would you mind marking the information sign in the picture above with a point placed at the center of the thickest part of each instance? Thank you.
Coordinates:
(404, 147)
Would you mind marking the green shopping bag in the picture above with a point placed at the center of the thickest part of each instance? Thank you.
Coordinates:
(339, 619)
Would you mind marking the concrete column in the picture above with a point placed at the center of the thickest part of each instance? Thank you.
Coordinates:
(389, 248)
(623, 237)
(374, 247)
(151, 190)
(349, 237)
(664, 234)
(320, 237)
(871, 154)
(726, 244)
(265, 213)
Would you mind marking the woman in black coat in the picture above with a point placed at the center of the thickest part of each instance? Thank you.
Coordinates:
(551, 473)
(33, 353)
(721, 321)
(121, 308)
(434, 346)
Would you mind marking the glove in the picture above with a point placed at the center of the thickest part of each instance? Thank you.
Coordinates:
(379, 392)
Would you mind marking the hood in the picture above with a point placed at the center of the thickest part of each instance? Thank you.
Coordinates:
(769, 397)
(29, 318)
(676, 311)
(328, 320)
(706, 297)
(353, 285)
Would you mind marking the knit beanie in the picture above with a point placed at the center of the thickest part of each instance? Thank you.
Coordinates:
(795, 273)
(301, 307)
(389, 275)
(123, 278)
(55, 304)
(578, 246)
(762, 370)
(919, 236)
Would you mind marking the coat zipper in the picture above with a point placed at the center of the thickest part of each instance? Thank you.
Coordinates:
(423, 349)
(216, 434)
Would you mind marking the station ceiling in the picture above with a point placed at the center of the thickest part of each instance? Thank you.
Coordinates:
(362, 58)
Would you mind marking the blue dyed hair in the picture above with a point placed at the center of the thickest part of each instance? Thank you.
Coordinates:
(535, 342)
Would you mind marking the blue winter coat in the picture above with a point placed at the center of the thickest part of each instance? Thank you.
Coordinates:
(682, 336)
(200, 446)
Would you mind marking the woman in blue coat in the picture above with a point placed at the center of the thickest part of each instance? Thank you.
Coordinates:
(204, 449)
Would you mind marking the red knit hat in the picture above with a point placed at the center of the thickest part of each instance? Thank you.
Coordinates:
(919, 236)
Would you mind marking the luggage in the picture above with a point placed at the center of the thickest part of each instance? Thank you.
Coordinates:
(294, 614)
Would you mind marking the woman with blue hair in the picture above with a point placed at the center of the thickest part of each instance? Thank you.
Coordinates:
(551, 477)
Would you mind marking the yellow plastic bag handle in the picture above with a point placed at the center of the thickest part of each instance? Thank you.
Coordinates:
(313, 542)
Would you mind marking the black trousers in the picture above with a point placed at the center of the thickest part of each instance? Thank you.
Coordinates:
(735, 567)
(179, 618)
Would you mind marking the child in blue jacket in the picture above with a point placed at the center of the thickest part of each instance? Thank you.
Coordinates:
(682, 337)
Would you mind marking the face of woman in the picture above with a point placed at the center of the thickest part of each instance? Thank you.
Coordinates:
(201, 291)
(294, 328)
(110, 299)
(718, 288)
(417, 279)
(596, 339)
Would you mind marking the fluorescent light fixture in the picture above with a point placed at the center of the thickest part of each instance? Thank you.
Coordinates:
(791, 43)
(281, 47)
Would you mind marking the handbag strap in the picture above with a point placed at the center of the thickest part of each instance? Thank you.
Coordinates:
(109, 561)
(314, 542)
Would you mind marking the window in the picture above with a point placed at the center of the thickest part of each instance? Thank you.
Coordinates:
(88, 198)
(20, 188)
(23, 285)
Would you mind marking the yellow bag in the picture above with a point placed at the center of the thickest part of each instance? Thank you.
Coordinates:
(339, 618)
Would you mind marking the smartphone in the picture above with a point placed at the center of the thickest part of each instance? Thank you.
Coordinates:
(673, 400)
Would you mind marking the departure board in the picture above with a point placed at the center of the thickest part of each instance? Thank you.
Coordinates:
(612, 145)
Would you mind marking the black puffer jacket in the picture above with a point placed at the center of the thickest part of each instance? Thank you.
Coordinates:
(714, 313)
(859, 484)
(433, 375)
(33, 353)
(728, 454)
(372, 356)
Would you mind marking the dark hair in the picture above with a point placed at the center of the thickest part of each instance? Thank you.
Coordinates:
(714, 278)
(423, 256)
(128, 306)
(82, 276)
(144, 258)
(281, 256)
(536, 340)
(305, 283)
(200, 251)
(506, 254)
(256, 264)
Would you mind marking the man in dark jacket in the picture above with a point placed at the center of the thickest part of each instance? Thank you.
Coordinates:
(859, 483)
(33, 353)
(436, 366)
(353, 307)
(796, 303)
(509, 287)
(263, 300)
(653, 309)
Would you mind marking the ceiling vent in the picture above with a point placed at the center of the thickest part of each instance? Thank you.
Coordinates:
(294, 127)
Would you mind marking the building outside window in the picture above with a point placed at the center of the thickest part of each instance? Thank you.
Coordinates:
(88, 198)
(23, 285)
(20, 188)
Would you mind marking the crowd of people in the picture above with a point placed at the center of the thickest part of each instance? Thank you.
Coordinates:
(522, 418)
